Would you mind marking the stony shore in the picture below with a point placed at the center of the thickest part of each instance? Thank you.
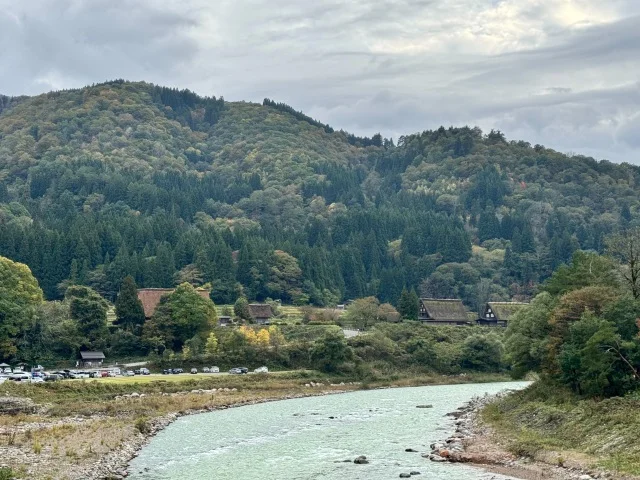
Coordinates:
(475, 443)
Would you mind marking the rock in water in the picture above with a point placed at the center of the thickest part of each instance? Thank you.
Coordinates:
(405, 475)
(411, 450)
(361, 460)
(414, 473)
(424, 406)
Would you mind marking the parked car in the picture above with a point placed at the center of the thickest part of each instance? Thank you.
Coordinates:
(194, 370)
(214, 370)
(36, 380)
(238, 370)
(128, 373)
(78, 375)
(20, 377)
(137, 372)
(145, 371)
(53, 377)
(177, 371)
(167, 371)
(262, 369)
(206, 370)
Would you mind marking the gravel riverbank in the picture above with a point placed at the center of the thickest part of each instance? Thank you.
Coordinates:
(475, 443)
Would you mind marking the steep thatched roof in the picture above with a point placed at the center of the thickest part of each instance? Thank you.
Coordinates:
(504, 311)
(150, 298)
(440, 309)
(260, 310)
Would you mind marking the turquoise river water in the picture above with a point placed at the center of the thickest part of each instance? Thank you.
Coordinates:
(297, 439)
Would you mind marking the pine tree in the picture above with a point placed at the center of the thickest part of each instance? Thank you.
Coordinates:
(408, 305)
(129, 311)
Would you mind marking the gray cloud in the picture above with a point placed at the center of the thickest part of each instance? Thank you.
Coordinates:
(563, 73)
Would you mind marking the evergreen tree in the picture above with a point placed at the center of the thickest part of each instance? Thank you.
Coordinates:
(129, 311)
(408, 305)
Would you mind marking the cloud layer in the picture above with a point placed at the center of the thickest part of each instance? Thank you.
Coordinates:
(563, 73)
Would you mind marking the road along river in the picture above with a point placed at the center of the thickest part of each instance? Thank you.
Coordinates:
(311, 438)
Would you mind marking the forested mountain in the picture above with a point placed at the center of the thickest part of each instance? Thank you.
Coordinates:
(131, 178)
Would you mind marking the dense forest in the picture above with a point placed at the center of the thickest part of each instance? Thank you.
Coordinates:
(169, 187)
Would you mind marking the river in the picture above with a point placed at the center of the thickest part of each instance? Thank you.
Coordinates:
(298, 439)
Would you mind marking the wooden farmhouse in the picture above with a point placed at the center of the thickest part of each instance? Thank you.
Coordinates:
(498, 314)
(261, 313)
(224, 320)
(437, 311)
(150, 298)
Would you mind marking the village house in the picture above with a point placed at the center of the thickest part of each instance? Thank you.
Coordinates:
(498, 314)
(150, 298)
(224, 320)
(441, 311)
(91, 359)
(261, 313)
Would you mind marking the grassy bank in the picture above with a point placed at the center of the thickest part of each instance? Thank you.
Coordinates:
(83, 421)
(548, 423)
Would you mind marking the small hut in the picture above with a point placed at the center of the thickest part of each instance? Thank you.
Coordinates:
(91, 359)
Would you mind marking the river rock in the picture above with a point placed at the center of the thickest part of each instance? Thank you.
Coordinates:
(414, 473)
(361, 460)
(410, 450)
(436, 458)
(405, 475)
(424, 406)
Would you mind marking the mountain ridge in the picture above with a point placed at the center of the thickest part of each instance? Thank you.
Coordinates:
(132, 178)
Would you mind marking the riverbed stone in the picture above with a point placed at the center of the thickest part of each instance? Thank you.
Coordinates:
(361, 460)
(405, 475)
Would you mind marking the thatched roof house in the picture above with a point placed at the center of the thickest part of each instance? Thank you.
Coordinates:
(261, 313)
(498, 314)
(150, 298)
(443, 311)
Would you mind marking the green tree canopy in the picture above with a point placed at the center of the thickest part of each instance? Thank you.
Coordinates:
(180, 316)
(89, 310)
(20, 297)
(129, 310)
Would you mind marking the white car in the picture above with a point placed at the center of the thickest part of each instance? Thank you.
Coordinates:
(37, 380)
(262, 369)
(214, 370)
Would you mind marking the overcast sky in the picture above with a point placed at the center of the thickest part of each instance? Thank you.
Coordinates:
(563, 73)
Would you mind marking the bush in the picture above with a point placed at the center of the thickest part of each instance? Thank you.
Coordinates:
(6, 473)
(142, 425)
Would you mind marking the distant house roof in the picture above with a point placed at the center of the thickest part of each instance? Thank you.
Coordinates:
(504, 311)
(445, 309)
(92, 355)
(150, 298)
(260, 310)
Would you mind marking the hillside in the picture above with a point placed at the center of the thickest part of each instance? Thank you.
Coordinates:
(129, 178)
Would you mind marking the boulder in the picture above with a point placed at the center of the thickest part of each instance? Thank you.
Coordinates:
(361, 460)
(405, 475)
(424, 406)
(411, 450)
(414, 473)
(437, 458)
